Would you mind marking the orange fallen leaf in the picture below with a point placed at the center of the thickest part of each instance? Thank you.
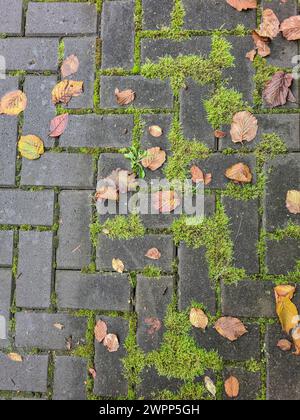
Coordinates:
(293, 201)
(219, 134)
(198, 318)
(13, 103)
(124, 97)
(284, 291)
(100, 331)
(242, 4)
(285, 308)
(118, 265)
(244, 127)
(232, 387)
(270, 25)
(153, 254)
(65, 90)
(239, 173)
(155, 131)
(69, 66)
(230, 328)
(198, 176)
(155, 158)
(296, 340)
(111, 342)
(290, 28)
(284, 345)
(58, 125)
(15, 357)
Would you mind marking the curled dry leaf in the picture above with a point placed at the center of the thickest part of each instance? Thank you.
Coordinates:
(155, 158)
(166, 201)
(93, 373)
(64, 91)
(244, 127)
(15, 357)
(219, 134)
(124, 97)
(296, 340)
(290, 28)
(284, 345)
(242, 4)
(230, 328)
(111, 342)
(210, 386)
(198, 176)
(262, 44)
(239, 173)
(69, 66)
(31, 147)
(277, 90)
(155, 131)
(153, 254)
(100, 331)
(58, 125)
(13, 103)
(285, 309)
(270, 25)
(232, 387)
(118, 265)
(154, 325)
(198, 318)
(293, 201)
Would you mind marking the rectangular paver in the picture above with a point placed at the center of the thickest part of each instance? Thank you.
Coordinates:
(282, 256)
(6, 247)
(11, 17)
(70, 376)
(5, 302)
(8, 138)
(157, 15)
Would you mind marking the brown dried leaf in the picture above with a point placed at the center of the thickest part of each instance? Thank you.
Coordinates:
(199, 177)
(15, 357)
(293, 201)
(239, 173)
(154, 324)
(155, 158)
(153, 254)
(124, 97)
(58, 125)
(290, 28)
(118, 265)
(242, 4)
(270, 25)
(166, 201)
(277, 90)
(232, 387)
(155, 131)
(93, 373)
(69, 66)
(230, 328)
(251, 55)
(198, 318)
(219, 134)
(284, 345)
(261, 44)
(296, 340)
(244, 127)
(107, 193)
(13, 103)
(111, 342)
(59, 326)
(100, 331)
(65, 90)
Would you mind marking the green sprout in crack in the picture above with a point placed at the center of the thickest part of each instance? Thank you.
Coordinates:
(136, 155)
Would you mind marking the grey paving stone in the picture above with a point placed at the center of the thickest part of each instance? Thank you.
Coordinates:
(193, 116)
(152, 384)
(157, 15)
(98, 131)
(133, 251)
(61, 19)
(244, 226)
(118, 39)
(282, 256)
(286, 126)
(70, 375)
(283, 175)
(110, 380)
(109, 162)
(250, 384)
(6, 247)
(40, 109)
(35, 272)
(283, 369)
(7, 85)
(5, 302)
(30, 54)
(218, 14)
(8, 138)
(28, 376)
(66, 170)
(37, 330)
(26, 207)
(164, 122)
(245, 348)
(93, 291)
(74, 248)
(11, 17)
(150, 94)
(85, 50)
(194, 282)
(153, 296)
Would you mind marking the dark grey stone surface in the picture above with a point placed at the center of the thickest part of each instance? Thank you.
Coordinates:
(118, 35)
(164, 122)
(8, 138)
(282, 256)
(8, 84)
(194, 283)
(110, 381)
(157, 15)
(93, 291)
(6, 247)
(152, 384)
(70, 375)
(37, 330)
(5, 303)
(153, 296)
(61, 19)
(250, 384)
(35, 273)
(26, 207)
(74, 248)
(11, 17)
(150, 94)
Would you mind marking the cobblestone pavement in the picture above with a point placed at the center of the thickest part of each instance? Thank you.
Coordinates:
(56, 279)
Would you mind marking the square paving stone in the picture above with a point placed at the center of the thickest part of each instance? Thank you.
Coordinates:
(6, 247)
(194, 282)
(110, 381)
(198, 16)
(152, 384)
(153, 296)
(118, 40)
(85, 50)
(66, 170)
(61, 19)
(282, 256)
(245, 348)
(109, 131)
(11, 17)
(244, 226)
(26, 207)
(37, 330)
(30, 54)
(250, 384)
(8, 138)
(33, 289)
(283, 369)
(283, 176)
(93, 291)
(40, 109)
(157, 15)
(70, 376)
(5, 303)
(74, 248)
(133, 252)
(150, 94)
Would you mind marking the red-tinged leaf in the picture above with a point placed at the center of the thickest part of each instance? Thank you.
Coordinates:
(100, 331)
(58, 125)
(277, 90)
(111, 342)
(290, 28)
(153, 254)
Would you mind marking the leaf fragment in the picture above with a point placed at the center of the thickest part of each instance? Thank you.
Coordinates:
(65, 90)
(93, 373)
(111, 342)
(58, 125)
(244, 127)
(262, 44)
(13, 103)
(166, 201)
(284, 345)
(232, 387)
(219, 134)
(15, 357)
(242, 4)
(296, 339)
(31, 147)
(155, 158)
(198, 318)
(153, 254)
(118, 265)
(230, 328)
(124, 97)
(154, 325)
(59, 326)
(293, 201)
(239, 173)
(198, 176)
(155, 131)
(69, 66)
(100, 331)
(210, 386)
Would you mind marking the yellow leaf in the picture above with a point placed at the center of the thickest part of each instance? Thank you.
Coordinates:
(14, 357)
(13, 103)
(31, 147)
(288, 314)
(198, 318)
(118, 265)
(284, 291)
(64, 91)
